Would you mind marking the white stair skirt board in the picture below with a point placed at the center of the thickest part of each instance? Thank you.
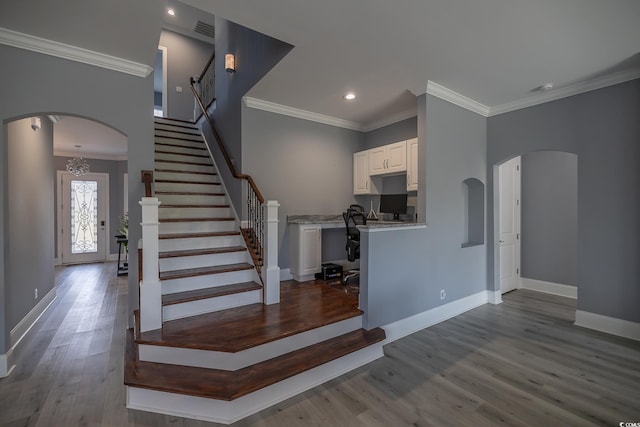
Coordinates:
(209, 281)
(209, 305)
(549, 287)
(609, 325)
(196, 226)
(197, 261)
(227, 412)
(404, 327)
(234, 361)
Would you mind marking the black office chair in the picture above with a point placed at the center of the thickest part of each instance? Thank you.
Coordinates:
(353, 217)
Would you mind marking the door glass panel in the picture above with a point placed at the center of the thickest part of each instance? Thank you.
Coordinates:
(84, 217)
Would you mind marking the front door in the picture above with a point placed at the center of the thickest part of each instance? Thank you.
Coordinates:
(83, 219)
(509, 184)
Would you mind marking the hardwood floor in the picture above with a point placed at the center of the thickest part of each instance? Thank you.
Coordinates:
(520, 363)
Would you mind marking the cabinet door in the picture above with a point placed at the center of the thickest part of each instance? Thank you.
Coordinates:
(361, 172)
(397, 157)
(378, 160)
(412, 164)
(310, 249)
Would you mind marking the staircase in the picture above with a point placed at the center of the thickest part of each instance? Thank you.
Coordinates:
(221, 354)
(204, 263)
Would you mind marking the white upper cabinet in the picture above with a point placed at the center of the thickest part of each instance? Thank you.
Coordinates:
(412, 164)
(362, 183)
(388, 159)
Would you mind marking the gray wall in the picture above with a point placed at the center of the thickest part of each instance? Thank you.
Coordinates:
(405, 270)
(549, 217)
(39, 84)
(603, 129)
(186, 57)
(306, 166)
(29, 238)
(255, 55)
(116, 170)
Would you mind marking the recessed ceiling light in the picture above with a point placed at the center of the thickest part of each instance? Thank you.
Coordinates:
(171, 12)
(350, 96)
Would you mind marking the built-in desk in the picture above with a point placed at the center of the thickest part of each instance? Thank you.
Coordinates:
(305, 238)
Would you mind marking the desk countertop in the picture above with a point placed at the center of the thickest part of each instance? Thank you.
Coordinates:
(337, 219)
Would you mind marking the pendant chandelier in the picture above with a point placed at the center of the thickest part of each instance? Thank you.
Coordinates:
(78, 166)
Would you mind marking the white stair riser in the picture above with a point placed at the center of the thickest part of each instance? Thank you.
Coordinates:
(208, 281)
(196, 151)
(167, 245)
(183, 167)
(195, 308)
(180, 176)
(175, 134)
(180, 142)
(197, 227)
(175, 127)
(180, 263)
(180, 212)
(196, 199)
(251, 356)
(228, 412)
(187, 188)
(182, 158)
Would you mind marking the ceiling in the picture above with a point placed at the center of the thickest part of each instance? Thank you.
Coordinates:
(495, 52)
(96, 140)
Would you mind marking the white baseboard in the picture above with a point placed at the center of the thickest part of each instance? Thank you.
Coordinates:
(495, 297)
(285, 274)
(404, 327)
(610, 325)
(27, 322)
(549, 287)
(6, 364)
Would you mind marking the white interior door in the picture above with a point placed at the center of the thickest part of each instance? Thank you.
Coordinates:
(83, 218)
(509, 230)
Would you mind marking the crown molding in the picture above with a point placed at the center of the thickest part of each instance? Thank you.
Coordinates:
(564, 92)
(446, 94)
(272, 107)
(72, 53)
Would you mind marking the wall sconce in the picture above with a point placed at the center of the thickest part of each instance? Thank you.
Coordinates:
(229, 63)
(35, 123)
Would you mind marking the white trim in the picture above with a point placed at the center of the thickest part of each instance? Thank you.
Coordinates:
(564, 92)
(494, 297)
(6, 364)
(408, 326)
(228, 412)
(455, 98)
(165, 85)
(72, 53)
(27, 322)
(609, 325)
(549, 287)
(272, 107)
(285, 274)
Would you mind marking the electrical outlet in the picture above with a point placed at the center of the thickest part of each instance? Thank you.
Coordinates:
(35, 294)
(443, 294)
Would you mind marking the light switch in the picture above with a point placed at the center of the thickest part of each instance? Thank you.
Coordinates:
(179, 89)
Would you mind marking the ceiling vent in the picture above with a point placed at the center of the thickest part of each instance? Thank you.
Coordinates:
(205, 29)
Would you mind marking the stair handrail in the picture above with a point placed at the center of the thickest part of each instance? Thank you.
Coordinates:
(147, 179)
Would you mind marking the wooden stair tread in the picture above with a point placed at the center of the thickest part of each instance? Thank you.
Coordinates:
(302, 307)
(204, 271)
(192, 235)
(218, 291)
(186, 172)
(230, 385)
(195, 206)
(195, 252)
(176, 181)
(209, 219)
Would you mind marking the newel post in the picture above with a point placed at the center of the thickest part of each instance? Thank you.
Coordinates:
(150, 289)
(270, 268)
